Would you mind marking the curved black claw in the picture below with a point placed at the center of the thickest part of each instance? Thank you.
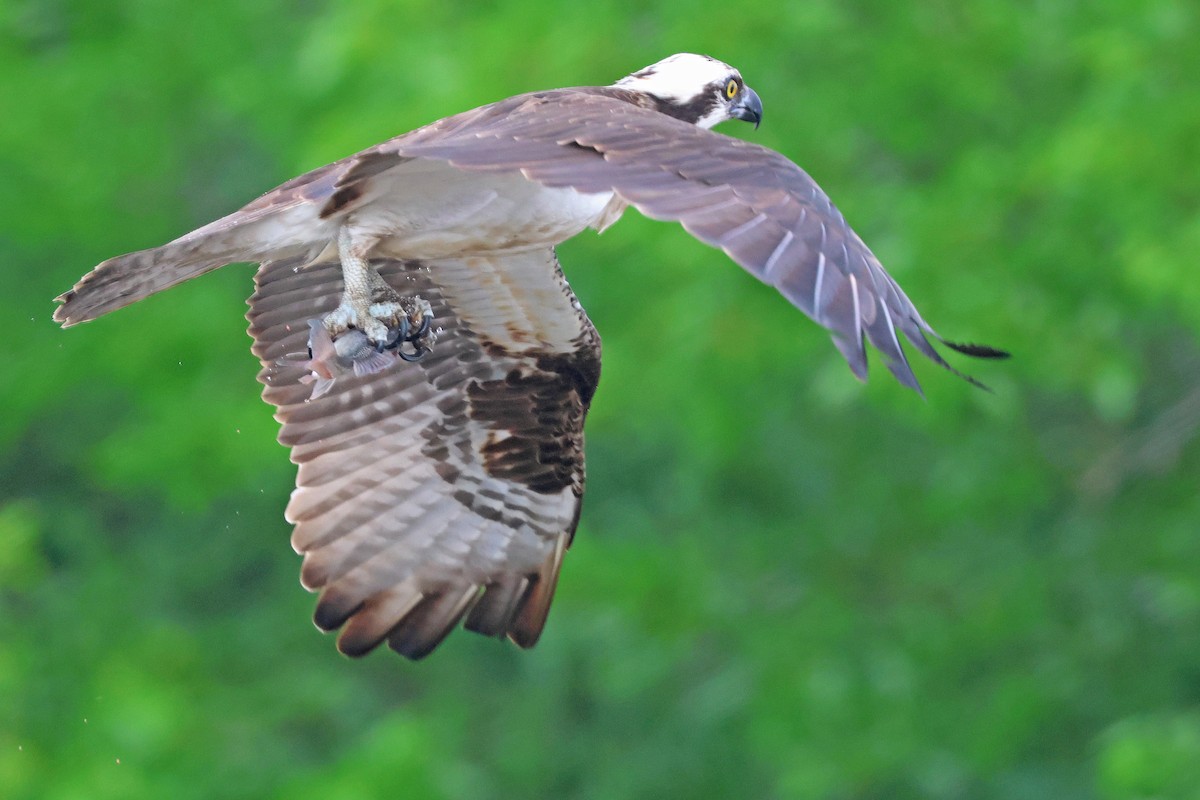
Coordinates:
(404, 333)
(396, 336)
(419, 352)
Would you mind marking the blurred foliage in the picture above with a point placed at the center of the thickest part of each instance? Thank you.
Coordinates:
(786, 584)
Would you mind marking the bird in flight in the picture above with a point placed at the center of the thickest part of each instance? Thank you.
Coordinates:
(428, 361)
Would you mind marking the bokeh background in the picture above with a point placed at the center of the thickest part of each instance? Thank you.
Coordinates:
(786, 584)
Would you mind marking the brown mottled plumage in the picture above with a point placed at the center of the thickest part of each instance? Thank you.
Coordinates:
(468, 463)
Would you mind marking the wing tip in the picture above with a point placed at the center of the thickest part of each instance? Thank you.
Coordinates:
(527, 627)
(424, 627)
(854, 350)
(902, 371)
(915, 328)
(975, 350)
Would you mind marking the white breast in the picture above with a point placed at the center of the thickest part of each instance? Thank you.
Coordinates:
(429, 209)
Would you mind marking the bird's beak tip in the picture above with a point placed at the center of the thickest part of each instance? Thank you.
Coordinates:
(750, 109)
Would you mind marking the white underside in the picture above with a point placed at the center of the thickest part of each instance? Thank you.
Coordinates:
(429, 209)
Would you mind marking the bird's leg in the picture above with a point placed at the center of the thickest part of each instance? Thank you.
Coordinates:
(372, 306)
(368, 302)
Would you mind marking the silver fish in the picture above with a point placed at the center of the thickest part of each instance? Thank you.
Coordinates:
(329, 359)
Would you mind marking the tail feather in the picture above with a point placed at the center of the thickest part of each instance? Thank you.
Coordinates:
(125, 279)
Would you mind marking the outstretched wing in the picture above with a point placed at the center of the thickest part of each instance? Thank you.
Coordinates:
(444, 488)
(753, 203)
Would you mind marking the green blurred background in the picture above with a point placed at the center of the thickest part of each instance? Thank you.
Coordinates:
(786, 584)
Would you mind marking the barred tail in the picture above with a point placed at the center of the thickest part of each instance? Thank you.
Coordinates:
(125, 279)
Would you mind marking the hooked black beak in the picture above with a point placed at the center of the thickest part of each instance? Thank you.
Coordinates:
(748, 107)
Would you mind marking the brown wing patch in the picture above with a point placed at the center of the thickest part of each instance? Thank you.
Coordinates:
(411, 510)
(535, 433)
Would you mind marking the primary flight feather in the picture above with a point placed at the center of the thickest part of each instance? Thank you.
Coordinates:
(431, 367)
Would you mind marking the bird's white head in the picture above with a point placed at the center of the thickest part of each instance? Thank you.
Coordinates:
(696, 89)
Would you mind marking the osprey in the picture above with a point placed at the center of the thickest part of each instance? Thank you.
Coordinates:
(437, 415)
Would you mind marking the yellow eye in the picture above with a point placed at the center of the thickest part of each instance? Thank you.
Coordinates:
(731, 89)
